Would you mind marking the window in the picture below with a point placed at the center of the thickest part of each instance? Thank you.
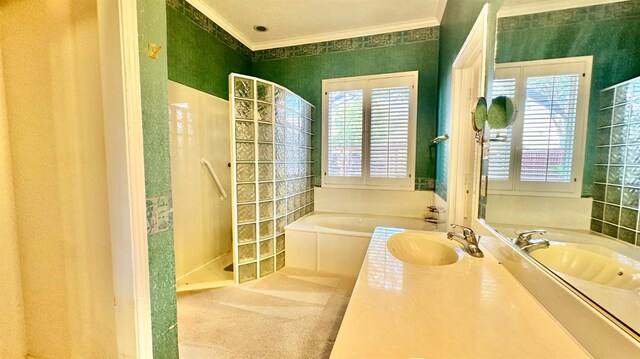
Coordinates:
(369, 131)
(543, 151)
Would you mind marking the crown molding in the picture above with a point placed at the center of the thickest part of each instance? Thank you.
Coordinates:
(209, 12)
(339, 35)
(549, 5)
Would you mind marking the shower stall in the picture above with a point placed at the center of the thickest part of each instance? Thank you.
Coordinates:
(241, 171)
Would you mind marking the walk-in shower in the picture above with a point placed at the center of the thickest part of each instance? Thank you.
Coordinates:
(241, 171)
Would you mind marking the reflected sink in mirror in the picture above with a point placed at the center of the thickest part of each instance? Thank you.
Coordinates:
(581, 263)
(423, 248)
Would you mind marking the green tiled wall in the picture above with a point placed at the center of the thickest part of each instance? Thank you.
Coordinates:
(616, 177)
(457, 21)
(200, 53)
(302, 68)
(157, 166)
(608, 32)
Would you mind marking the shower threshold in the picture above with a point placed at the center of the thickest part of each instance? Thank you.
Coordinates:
(210, 275)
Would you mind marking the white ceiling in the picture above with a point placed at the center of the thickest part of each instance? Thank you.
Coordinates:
(295, 22)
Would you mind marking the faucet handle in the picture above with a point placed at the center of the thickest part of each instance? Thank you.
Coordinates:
(466, 231)
(526, 235)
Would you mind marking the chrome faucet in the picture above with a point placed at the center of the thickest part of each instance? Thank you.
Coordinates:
(524, 240)
(468, 240)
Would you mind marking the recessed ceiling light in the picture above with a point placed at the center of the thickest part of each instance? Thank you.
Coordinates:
(260, 28)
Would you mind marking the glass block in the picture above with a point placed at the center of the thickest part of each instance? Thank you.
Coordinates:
(628, 218)
(267, 266)
(244, 130)
(281, 153)
(266, 229)
(279, 95)
(280, 115)
(290, 218)
(280, 223)
(245, 172)
(246, 213)
(596, 226)
(265, 152)
(243, 87)
(264, 112)
(266, 210)
(247, 233)
(244, 151)
(622, 93)
(621, 114)
(627, 235)
(280, 134)
(265, 172)
(247, 253)
(633, 155)
(266, 248)
(603, 136)
(598, 191)
(281, 189)
(265, 133)
(606, 98)
(265, 92)
(266, 190)
(244, 109)
(280, 243)
(281, 207)
(280, 261)
(246, 192)
(618, 135)
(630, 197)
(614, 176)
(633, 134)
(281, 171)
(611, 213)
(632, 176)
(613, 194)
(602, 155)
(597, 210)
(617, 155)
(247, 272)
(610, 230)
(292, 101)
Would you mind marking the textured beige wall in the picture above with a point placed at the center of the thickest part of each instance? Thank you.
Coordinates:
(14, 342)
(53, 96)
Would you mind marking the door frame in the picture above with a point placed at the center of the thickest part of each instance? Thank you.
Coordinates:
(122, 113)
(461, 131)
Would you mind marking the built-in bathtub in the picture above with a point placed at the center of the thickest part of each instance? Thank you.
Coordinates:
(337, 242)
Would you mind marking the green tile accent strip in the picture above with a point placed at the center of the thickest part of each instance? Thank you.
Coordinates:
(351, 44)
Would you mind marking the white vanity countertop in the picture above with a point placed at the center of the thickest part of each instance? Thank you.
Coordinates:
(473, 308)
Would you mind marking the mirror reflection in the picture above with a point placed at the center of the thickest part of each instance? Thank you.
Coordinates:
(564, 178)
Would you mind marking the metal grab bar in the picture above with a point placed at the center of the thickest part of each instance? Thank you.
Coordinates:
(223, 194)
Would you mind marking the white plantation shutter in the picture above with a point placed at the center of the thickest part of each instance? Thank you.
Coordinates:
(369, 131)
(548, 138)
(389, 148)
(345, 133)
(500, 145)
(549, 125)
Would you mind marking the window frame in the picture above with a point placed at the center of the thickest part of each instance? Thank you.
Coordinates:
(521, 71)
(367, 83)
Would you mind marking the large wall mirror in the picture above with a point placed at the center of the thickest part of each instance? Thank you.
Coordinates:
(570, 163)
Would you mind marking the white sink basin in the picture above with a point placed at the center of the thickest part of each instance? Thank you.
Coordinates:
(589, 266)
(423, 248)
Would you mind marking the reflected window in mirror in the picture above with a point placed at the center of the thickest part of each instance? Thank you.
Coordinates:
(543, 151)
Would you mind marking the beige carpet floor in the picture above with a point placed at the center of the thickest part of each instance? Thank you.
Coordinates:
(289, 314)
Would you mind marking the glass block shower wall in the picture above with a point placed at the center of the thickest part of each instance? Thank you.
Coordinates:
(271, 167)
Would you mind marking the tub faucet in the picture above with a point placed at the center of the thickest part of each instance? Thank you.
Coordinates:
(468, 240)
(524, 240)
